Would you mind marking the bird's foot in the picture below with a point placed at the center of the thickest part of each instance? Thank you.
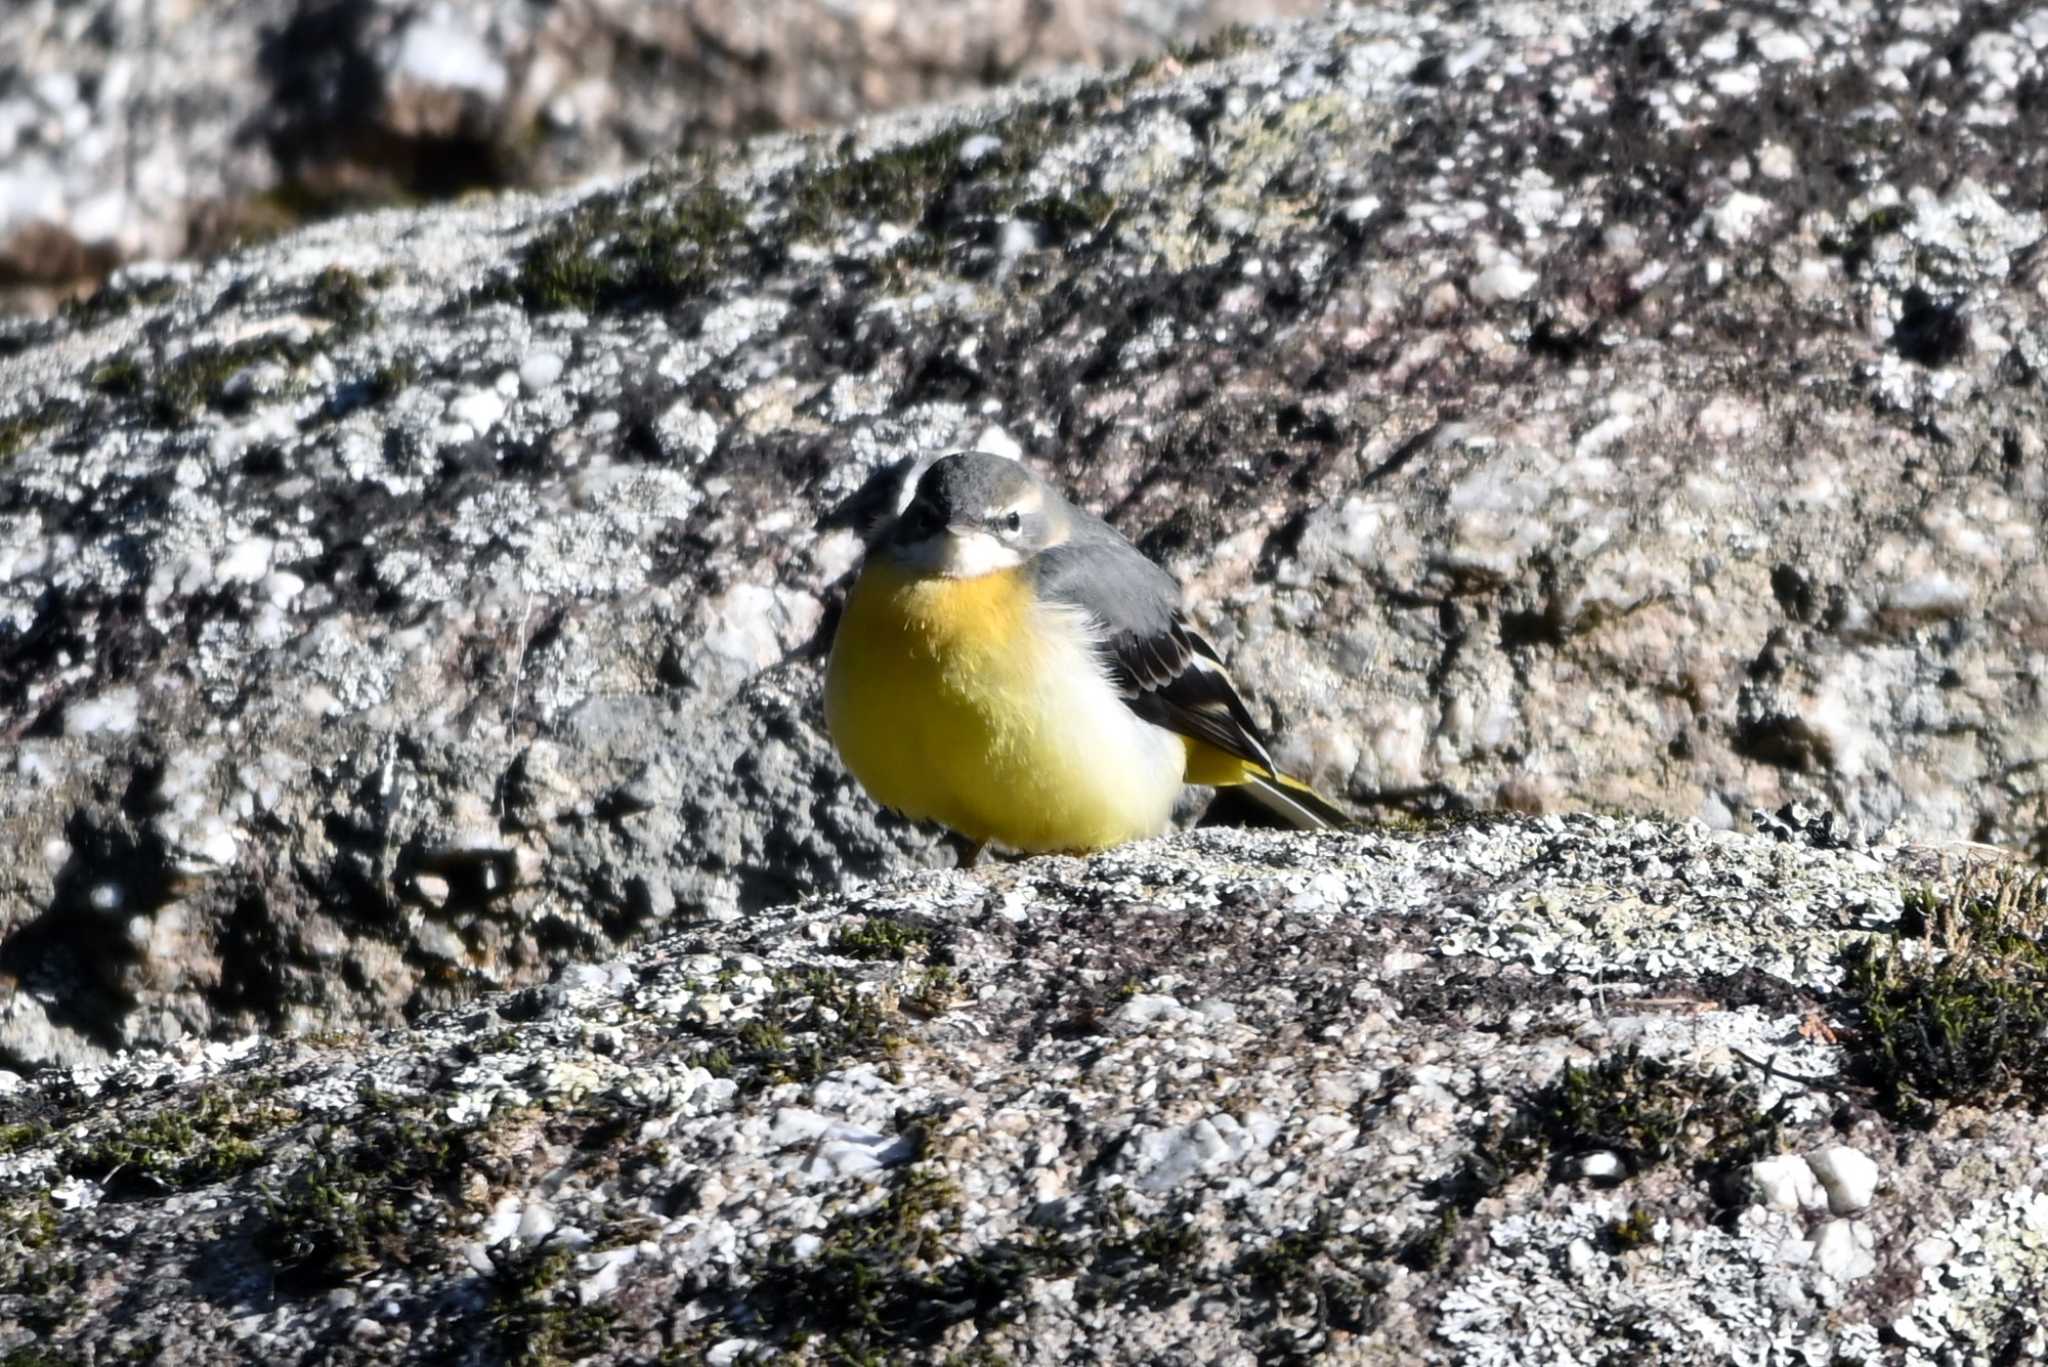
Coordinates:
(966, 853)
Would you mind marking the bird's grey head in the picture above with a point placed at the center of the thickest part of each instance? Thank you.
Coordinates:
(974, 514)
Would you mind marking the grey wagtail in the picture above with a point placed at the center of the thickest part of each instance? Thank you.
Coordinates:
(1012, 668)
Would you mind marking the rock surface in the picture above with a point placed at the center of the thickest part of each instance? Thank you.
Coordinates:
(1487, 1094)
(1588, 408)
(137, 128)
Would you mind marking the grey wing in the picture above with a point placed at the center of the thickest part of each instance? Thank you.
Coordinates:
(1167, 673)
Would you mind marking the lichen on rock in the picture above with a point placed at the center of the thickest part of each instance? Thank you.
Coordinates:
(1551, 411)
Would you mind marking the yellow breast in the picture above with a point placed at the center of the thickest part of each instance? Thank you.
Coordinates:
(966, 702)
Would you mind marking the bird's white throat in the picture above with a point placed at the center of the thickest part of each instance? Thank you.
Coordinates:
(959, 554)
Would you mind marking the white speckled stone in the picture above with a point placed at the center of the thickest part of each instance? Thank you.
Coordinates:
(1843, 1249)
(1849, 1178)
(540, 371)
(1786, 1183)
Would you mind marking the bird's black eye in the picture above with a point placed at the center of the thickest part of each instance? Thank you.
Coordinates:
(1014, 522)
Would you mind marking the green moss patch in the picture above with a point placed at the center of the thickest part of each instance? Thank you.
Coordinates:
(895, 184)
(879, 938)
(931, 993)
(836, 1024)
(649, 245)
(1330, 1279)
(818, 1021)
(923, 993)
(29, 1224)
(23, 428)
(343, 298)
(1152, 1261)
(193, 1143)
(1650, 1112)
(39, 1279)
(372, 1197)
(534, 1312)
(177, 391)
(886, 1283)
(36, 1357)
(110, 302)
(673, 236)
(1632, 1230)
(934, 187)
(16, 1137)
(1953, 1007)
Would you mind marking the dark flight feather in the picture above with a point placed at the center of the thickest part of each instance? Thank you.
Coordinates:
(1166, 671)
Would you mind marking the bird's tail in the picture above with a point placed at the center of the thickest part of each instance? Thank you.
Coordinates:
(1295, 803)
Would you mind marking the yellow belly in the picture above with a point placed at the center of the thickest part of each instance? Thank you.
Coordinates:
(962, 701)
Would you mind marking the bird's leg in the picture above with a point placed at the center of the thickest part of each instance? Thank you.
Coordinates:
(966, 852)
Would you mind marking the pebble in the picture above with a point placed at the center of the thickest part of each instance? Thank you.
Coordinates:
(1786, 1183)
(604, 1280)
(1582, 1260)
(540, 371)
(1844, 1250)
(1163, 1159)
(480, 408)
(1506, 279)
(536, 1222)
(794, 1125)
(979, 147)
(1602, 1167)
(1736, 217)
(1933, 1252)
(1150, 1009)
(1849, 1178)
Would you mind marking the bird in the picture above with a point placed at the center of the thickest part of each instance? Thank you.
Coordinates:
(1012, 668)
